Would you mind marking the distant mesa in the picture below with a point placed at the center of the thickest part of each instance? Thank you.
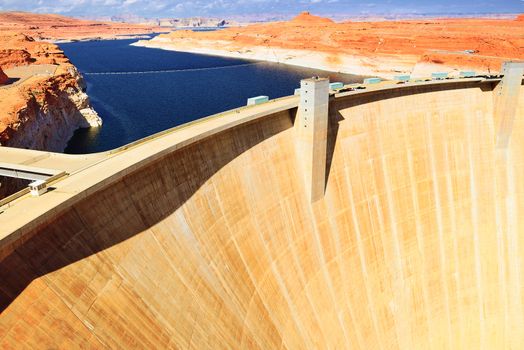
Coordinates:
(3, 77)
(52, 27)
(307, 18)
(520, 18)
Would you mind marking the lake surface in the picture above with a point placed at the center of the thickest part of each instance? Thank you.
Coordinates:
(137, 105)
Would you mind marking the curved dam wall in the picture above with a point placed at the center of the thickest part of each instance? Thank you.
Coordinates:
(416, 244)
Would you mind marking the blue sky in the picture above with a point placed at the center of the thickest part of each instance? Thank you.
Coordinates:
(224, 8)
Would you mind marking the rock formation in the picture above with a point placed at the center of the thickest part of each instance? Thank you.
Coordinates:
(520, 18)
(47, 114)
(17, 49)
(43, 110)
(3, 77)
(307, 18)
(195, 22)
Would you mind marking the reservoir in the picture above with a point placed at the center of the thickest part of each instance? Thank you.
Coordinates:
(157, 89)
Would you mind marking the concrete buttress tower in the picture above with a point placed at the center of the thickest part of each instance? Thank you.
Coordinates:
(506, 101)
(312, 128)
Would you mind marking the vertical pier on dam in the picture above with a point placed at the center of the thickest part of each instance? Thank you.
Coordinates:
(507, 100)
(312, 129)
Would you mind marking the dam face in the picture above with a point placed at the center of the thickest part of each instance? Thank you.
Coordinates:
(417, 242)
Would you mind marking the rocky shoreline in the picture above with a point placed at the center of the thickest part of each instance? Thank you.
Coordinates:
(347, 64)
(52, 111)
(46, 102)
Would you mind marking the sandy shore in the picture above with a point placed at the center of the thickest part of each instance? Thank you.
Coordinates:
(386, 66)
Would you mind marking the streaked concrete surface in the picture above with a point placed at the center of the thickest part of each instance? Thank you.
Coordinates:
(507, 100)
(311, 133)
(94, 171)
(204, 237)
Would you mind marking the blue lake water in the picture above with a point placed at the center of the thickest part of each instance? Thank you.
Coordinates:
(134, 106)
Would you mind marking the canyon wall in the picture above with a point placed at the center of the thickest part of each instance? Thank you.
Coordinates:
(49, 113)
(46, 101)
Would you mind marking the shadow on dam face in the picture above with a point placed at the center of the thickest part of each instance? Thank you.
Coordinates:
(417, 242)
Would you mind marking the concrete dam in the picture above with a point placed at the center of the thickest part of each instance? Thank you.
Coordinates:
(393, 223)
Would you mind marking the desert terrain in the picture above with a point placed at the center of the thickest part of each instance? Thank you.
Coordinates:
(381, 48)
(51, 27)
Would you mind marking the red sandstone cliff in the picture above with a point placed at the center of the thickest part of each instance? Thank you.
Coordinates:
(44, 113)
(307, 18)
(47, 104)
